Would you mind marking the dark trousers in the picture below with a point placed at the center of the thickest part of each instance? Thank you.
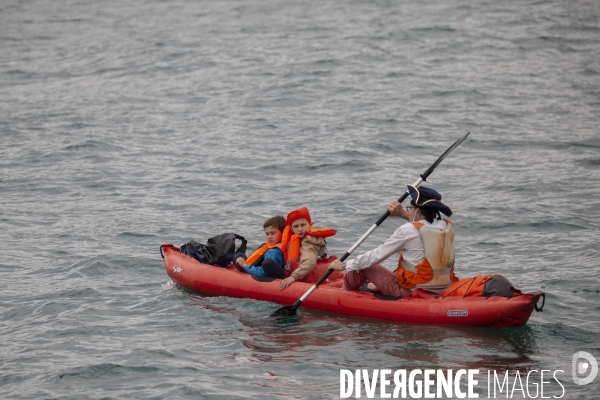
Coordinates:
(269, 265)
(272, 269)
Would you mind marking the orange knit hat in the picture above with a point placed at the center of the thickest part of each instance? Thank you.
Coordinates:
(297, 214)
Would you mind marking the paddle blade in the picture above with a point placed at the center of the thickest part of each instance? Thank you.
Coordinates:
(284, 312)
(439, 160)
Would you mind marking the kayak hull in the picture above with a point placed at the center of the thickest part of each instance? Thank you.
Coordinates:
(330, 297)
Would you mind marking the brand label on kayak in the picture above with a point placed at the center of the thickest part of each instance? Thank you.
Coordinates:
(177, 269)
(458, 313)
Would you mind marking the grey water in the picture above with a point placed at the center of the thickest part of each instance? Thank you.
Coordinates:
(126, 125)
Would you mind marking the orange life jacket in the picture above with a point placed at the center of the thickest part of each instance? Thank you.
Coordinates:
(290, 243)
(436, 271)
(258, 253)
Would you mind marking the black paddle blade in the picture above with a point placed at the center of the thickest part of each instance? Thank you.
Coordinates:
(448, 151)
(284, 312)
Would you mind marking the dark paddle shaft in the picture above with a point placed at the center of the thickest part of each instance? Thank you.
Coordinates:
(292, 310)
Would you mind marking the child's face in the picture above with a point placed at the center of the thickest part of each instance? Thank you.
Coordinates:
(273, 235)
(300, 226)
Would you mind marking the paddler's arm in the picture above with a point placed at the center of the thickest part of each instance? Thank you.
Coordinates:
(392, 245)
(337, 265)
(396, 210)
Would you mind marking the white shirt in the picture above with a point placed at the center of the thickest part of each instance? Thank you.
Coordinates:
(406, 239)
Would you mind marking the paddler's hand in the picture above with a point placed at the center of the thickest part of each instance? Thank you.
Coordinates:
(338, 265)
(396, 210)
(286, 282)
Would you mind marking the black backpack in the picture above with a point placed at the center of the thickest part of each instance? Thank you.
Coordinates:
(218, 250)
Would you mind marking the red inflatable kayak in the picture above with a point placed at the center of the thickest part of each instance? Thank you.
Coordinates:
(422, 308)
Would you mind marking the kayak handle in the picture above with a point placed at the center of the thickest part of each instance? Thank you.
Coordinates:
(162, 254)
(536, 299)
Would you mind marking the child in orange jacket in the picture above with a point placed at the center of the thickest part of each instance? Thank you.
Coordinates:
(268, 259)
(302, 245)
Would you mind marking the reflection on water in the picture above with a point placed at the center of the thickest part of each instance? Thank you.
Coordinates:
(427, 346)
(330, 343)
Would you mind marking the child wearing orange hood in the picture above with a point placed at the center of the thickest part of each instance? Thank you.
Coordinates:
(302, 245)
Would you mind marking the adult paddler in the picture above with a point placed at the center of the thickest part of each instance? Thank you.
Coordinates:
(426, 246)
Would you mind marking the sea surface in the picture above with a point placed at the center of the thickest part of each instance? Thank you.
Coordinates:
(125, 125)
